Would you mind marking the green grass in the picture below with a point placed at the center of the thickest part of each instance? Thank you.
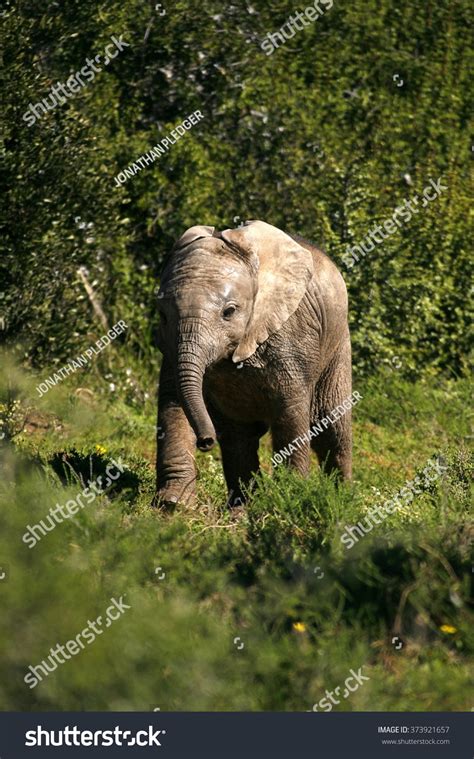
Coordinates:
(306, 609)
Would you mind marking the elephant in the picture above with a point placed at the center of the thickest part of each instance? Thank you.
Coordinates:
(254, 335)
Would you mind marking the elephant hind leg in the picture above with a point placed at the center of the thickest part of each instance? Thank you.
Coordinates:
(333, 448)
(333, 444)
(239, 446)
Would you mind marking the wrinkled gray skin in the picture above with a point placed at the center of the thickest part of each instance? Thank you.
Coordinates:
(254, 336)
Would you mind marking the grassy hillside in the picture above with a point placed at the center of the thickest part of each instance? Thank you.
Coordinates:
(200, 584)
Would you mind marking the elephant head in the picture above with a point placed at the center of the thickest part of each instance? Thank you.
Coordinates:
(222, 294)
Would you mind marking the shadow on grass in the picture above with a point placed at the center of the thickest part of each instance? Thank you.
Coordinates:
(72, 466)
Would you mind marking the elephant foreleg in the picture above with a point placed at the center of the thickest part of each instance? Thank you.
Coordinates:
(176, 443)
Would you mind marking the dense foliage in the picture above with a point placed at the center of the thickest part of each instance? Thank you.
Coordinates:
(324, 137)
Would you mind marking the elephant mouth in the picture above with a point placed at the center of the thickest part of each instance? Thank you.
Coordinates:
(206, 443)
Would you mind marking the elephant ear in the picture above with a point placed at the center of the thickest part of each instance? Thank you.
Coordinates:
(283, 271)
(192, 234)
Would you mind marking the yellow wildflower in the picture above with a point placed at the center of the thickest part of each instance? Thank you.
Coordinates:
(299, 627)
(449, 629)
(100, 449)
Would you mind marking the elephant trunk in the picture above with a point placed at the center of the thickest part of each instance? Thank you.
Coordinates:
(190, 374)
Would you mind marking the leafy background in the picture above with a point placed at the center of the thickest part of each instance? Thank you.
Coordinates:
(316, 138)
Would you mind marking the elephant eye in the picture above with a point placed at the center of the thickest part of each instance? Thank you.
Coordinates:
(229, 311)
(162, 317)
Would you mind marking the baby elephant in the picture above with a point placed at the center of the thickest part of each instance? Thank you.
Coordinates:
(254, 336)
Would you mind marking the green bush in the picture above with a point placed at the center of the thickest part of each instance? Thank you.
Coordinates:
(318, 138)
